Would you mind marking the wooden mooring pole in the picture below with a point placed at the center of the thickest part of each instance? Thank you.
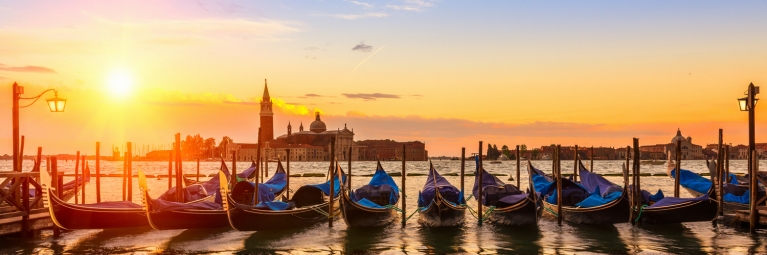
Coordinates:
(518, 154)
(575, 164)
(404, 205)
(463, 165)
(179, 171)
(720, 174)
(637, 181)
(170, 169)
(287, 177)
(98, 172)
(558, 168)
(591, 166)
(332, 180)
(677, 174)
(55, 184)
(479, 183)
(350, 168)
(85, 168)
(129, 160)
(258, 168)
(77, 174)
(198, 168)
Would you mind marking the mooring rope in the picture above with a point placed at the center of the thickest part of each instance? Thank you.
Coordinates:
(411, 215)
(551, 211)
(489, 211)
(316, 209)
(641, 209)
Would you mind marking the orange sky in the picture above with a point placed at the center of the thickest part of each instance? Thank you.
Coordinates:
(592, 75)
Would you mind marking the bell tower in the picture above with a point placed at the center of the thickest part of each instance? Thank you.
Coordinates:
(267, 117)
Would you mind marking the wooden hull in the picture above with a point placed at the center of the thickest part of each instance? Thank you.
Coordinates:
(70, 216)
(188, 219)
(729, 207)
(693, 211)
(616, 211)
(246, 219)
(441, 213)
(523, 213)
(356, 215)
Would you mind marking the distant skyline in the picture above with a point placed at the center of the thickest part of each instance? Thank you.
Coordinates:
(449, 73)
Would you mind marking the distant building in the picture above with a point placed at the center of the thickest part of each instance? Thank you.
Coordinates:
(158, 155)
(392, 150)
(661, 151)
(310, 145)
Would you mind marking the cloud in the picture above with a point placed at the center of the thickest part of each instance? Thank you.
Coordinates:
(417, 96)
(313, 95)
(359, 16)
(402, 8)
(310, 58)
(372, 96)
(363, 4)
(311, 48)
(424, 3)
(363, 47)
(26, 69)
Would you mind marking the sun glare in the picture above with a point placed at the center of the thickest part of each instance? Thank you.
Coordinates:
(120, 83)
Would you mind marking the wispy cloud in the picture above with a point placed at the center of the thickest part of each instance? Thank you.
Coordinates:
(310, 57)
(312, 48)
(26, 69)
(372, 96)
(411, 5)
(363, 47)
(363, 4)
(360, 16)
(402, 8)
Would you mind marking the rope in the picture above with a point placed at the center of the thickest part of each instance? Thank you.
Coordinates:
(641, 209)
(551, 211)
(470, 196)
(321, 212)
(472, 211)
(393, 208)
(411, 215)
(489, 211)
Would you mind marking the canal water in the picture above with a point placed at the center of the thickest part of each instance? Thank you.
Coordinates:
(547, 237)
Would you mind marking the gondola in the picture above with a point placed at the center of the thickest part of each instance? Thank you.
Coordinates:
(668, 210)
(309, 205)
(596, 206)
(736, 194)
(103, 215)
(163, 214)
(440, 204)
(511, 206)
(366, 207)
(69, 189)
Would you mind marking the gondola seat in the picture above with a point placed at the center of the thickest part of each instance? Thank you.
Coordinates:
(307, 196)
(378, 194)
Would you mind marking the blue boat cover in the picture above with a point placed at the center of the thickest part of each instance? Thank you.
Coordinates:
(159, 205)
(325, 187)
(380, 180)
(742, 199)
(593, 182)
(693, 181)
(489, 180)
(273, 205)
(267, 191)
(199, 190)
(676, 200)
(248, 173)
(436, 183)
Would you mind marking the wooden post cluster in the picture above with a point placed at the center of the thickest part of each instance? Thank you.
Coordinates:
(479, 182)
(518, 154)
(21, 154)
(753, 201)
(403, 183)
(678, 171)
(558, 177)
(332, 180)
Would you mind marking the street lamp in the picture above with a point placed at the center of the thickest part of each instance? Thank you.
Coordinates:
(55, 104)
(748, 103)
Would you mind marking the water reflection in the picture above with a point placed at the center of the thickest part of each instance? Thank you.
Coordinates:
(518, 240)
(600, 239)
(442, 240)
(672, 238)
(361, 240)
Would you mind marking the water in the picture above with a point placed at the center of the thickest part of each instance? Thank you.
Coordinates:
(547, 237)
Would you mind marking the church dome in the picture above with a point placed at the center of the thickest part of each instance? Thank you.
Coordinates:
(678, 137)
(317, 125)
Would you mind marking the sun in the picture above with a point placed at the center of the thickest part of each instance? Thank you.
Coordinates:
(120, 83)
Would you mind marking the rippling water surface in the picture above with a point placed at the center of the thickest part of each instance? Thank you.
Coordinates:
(547, 237)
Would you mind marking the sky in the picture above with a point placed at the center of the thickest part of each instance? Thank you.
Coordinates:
(448, 73)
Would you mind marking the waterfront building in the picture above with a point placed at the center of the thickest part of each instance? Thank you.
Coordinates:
(661, 151)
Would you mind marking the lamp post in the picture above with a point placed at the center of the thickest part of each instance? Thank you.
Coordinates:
(748, 103)
(55, 104)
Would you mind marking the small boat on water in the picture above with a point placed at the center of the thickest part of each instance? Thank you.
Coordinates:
(204, 213)
(103, 215)
(590, 202)
(309, 205)
(370, 205)
(510, 206)
(668, 210)
(440, 204)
